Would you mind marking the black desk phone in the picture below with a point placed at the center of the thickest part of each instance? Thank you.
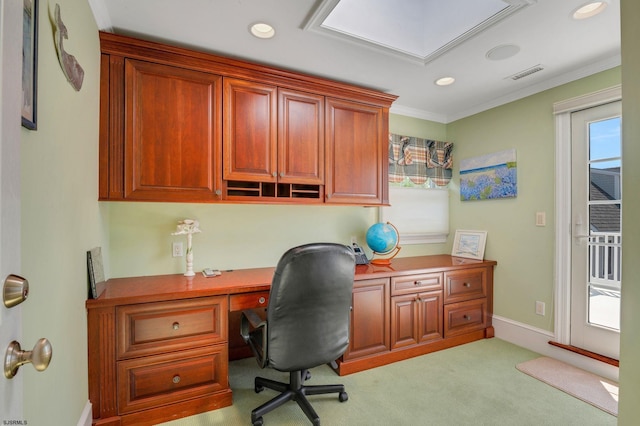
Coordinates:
(361, 258)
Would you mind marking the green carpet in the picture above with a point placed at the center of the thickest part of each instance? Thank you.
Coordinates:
(472, 384)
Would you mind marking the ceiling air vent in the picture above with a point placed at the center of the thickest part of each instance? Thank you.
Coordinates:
(526, 73)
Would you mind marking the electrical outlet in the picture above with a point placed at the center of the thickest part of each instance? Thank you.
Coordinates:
(540, 308)
(176, 250)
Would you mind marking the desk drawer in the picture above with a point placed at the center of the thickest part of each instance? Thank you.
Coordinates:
(465, 284)
(239, 302)
(156, 380)
(464, 317)
(415, 283)
(152, 328)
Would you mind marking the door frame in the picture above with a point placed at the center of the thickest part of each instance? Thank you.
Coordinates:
(11, 391)
(562, 270)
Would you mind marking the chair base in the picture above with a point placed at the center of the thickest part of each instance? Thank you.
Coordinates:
(296, 391)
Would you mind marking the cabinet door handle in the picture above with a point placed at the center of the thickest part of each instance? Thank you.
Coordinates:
(176, 325)
(176, 379)
(261, 300)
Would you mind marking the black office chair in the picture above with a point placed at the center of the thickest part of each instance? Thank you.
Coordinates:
(307, 323)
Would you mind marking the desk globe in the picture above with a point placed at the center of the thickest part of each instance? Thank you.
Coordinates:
(383, 239)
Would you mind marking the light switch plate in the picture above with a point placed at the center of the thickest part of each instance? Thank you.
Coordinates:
(541, 219)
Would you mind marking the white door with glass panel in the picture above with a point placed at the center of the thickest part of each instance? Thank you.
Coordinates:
(596, 250)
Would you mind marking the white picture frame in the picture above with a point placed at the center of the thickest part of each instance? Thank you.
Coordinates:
(469, 244)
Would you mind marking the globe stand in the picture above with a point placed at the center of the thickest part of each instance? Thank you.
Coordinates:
(385, 260)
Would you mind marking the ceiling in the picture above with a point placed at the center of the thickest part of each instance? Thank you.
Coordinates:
(401, 46)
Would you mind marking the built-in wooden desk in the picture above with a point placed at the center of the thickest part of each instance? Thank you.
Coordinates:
(159, 346)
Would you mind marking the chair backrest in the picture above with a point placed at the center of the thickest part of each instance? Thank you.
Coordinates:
(309, 306)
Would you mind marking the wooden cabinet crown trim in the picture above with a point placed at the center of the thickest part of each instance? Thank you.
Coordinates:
(115, 44)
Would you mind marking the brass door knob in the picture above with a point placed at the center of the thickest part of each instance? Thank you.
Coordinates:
(15, 290)
(15, 357)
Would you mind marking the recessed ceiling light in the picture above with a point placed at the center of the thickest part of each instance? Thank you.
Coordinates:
(262, 30)
(445, 81)
(590, 9)
(501, 52)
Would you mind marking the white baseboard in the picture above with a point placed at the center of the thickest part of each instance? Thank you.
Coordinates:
(87, 415)
(537, 340)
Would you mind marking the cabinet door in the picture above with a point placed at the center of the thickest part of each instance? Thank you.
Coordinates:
(430, 317)
(369, 318)
(404, 318)
(300, 137)
(416, 318)
(172, 133)
(356, 163)
(250, 131)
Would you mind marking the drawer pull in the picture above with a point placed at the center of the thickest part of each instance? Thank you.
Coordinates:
(176, 325)
(176, 379)
(467, 317)
(262, 300)
(467, 285)
(417, 282)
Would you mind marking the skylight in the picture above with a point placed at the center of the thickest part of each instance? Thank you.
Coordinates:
(418, 29)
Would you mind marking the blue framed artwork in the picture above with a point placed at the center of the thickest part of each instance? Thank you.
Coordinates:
(489, 176)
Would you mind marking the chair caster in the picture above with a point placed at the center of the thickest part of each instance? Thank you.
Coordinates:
(258, 389)
(307, 375)
(258, 422)
(343, 396)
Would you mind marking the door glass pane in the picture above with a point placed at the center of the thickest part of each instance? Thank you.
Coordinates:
(604, 307)
(604, 139)
(604, 218)
(605, 197)
(604, 177)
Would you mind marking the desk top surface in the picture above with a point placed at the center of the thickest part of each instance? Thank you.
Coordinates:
(120, 291)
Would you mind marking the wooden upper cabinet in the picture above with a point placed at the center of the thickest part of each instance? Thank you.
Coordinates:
(300, 137)
(356, 146)
(187, 126)
(250, 131)
(172, 133)
(272, 134)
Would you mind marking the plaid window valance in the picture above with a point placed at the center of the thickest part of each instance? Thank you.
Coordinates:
(419, 162)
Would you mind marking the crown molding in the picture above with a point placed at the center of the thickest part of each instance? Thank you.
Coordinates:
(101, 15)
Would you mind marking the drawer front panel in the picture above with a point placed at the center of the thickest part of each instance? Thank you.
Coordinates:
(465, 317)
(465, 285)
(153, 328)
(156, 380)
(239, 302)
(415, 283)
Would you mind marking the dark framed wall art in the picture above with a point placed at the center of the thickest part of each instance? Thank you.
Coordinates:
(29, 63)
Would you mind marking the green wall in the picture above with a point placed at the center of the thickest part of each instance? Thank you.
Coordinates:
(629, 409)
(60, 217)
(524, 251)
